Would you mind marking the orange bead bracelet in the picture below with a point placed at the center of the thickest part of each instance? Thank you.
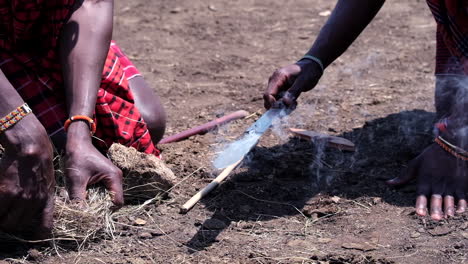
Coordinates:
(89, 120)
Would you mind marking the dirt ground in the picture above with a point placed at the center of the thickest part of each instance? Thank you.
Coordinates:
(292, 202)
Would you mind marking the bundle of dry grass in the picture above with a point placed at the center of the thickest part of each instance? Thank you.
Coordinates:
(146, 179)
(85, 221)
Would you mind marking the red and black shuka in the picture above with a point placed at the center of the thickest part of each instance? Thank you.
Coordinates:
(452, 35)
(29, 57)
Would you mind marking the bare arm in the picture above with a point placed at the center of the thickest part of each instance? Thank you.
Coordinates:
(84, 47)
(27, 180)
(347, 21)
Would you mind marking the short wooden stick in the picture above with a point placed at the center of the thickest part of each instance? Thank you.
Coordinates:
(205, 128)
(203, 192)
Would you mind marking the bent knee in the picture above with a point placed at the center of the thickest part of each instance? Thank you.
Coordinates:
(155, 119)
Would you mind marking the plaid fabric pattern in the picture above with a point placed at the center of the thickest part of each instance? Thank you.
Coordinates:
(29, 59)
(452, 36)
(117, 118)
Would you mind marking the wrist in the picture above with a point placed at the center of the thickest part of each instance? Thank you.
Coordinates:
(315, 60)
(78, 133)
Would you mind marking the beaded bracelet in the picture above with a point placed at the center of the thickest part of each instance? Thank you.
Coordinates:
(89, 120)
(14, 117)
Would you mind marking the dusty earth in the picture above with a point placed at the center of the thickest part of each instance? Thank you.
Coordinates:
(292, 202)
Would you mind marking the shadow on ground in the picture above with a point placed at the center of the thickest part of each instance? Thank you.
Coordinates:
(279, 181)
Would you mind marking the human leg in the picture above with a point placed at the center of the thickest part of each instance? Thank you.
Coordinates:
(150, 107)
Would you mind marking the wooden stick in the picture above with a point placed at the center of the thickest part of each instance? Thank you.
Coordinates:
(203, 192)
(332, 141)
(205, 128)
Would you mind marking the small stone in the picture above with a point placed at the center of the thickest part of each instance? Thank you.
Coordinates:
(415, 235)
(421, 230)
(139, 222)
(214, 224)
(325, 13)
(212, 8)
(359, 246)
(335, 199)
(145, 235)
(376, 200)
(464, 234)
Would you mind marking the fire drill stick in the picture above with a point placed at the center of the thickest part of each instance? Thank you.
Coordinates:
(203, 192)
(203, 129)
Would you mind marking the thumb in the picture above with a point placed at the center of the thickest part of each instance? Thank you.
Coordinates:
(295, 91)
(408, 174)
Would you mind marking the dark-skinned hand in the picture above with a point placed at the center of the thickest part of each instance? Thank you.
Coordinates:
(86, 166)
(26, 180)
(287, 84)
(441, 180)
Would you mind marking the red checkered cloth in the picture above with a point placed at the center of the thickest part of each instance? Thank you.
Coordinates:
(452, 36)
(29, 30)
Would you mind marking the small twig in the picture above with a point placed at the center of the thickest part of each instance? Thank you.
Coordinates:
(360, 204)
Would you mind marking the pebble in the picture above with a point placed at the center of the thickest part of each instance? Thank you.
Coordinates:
(145, 235)
(212, 8)
(325, 13)
(139, 222)
(335, 199)
(464, 234)
(415, 235)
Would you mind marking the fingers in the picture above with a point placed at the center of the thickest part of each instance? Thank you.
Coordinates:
(268, 100)
(461, 207)
(113, 182)
(407, 175)
(45, 225)
(421, 205)
(276, 84)
(279, 82)
(449, 206)
(436, 207)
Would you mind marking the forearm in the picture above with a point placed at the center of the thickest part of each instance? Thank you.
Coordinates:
(84, 46)
(9, 97)
(347, 21)
(25, 135)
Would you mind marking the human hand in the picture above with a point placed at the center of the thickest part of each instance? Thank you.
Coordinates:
(85, 166)
(287, 83)
(440, 176)
(27, 180)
